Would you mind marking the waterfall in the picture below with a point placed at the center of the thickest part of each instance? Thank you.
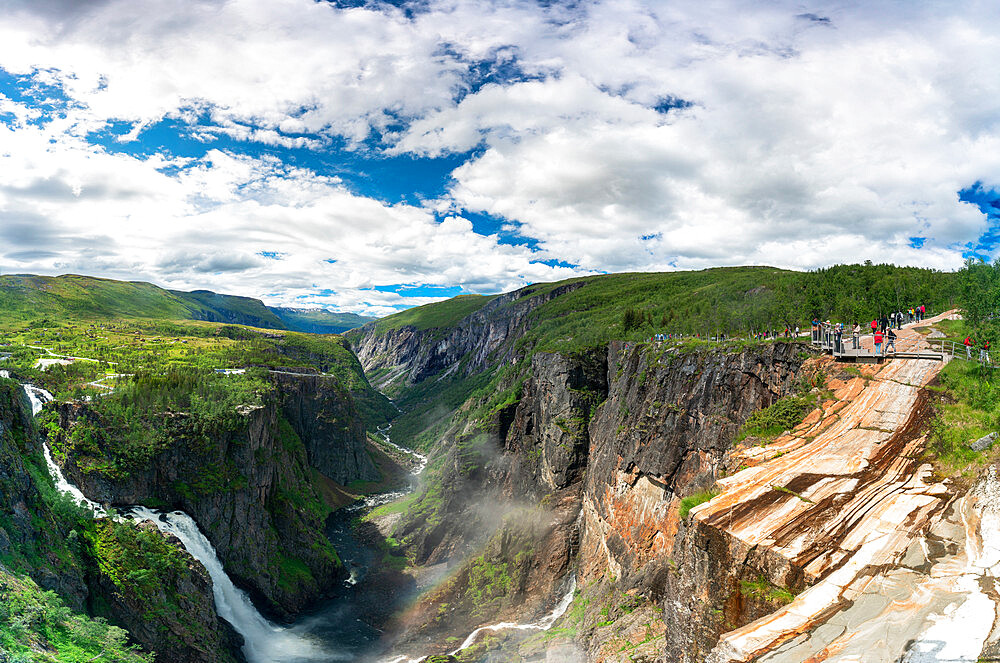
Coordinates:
(39, 397)
(264, 642)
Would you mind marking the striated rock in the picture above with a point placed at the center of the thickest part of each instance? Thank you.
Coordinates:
(662, 434)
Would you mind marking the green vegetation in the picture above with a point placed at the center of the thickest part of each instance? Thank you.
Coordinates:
(36, 626)
(762, 589)
(782, 489)
(784, 414)
(123, 430)
(439, 315)
(691, 501)
(968, 409)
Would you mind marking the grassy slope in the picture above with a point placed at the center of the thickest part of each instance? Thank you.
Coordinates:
(440, 315)
(74, 298)
(207, 305)
(732, 299)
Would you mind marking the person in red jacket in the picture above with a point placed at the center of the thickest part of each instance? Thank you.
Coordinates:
(874, 325)
(878, 343)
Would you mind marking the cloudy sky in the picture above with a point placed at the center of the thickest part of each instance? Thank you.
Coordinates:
(369, 156)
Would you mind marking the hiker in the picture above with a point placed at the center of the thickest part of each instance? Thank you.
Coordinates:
(838, 336)
(923, 312)
(968, 347)
(874, 325)
(878, 343)
(857, 336)
(891, 341)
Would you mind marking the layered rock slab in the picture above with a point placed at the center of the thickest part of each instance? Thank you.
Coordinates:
(835, 511)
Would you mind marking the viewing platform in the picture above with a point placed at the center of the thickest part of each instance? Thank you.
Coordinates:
(908, 345)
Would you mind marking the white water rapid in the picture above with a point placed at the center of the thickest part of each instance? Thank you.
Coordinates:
(420, 458)
(543, 624)
(264, 642)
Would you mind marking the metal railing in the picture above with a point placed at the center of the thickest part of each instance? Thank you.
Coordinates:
(956, 350)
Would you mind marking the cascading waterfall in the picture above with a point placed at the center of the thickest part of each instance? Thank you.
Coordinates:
(264, 642)
(544, 624)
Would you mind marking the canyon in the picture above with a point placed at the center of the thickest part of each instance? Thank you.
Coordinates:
(569, 502)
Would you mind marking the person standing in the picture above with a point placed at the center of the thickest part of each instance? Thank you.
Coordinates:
(857, 335)
(878, 343)
(874, 325)
(890, 341)
(838, 336)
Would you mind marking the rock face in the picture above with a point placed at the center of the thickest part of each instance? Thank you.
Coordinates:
(605, 441)
(29, 535)
(252, 492)
(662, 434)
(182, 627)
(323, 415)
(483, 339)
(175, 616)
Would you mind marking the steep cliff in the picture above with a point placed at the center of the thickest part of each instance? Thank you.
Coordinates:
(251, 489)
(97, 570)
(403, 355)
(599, 447)
(323, 414)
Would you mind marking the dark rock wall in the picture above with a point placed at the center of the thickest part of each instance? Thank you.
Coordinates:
(324, 416)
(250, 492)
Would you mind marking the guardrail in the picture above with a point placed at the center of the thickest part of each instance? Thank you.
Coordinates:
(957, 350)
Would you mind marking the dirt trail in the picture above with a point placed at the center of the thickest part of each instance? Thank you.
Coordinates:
(844, 504)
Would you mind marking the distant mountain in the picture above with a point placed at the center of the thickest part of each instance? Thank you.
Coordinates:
(318, 321)
(71, 297)
(213, 307)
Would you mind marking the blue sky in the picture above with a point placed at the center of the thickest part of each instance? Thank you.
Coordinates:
(373, 156)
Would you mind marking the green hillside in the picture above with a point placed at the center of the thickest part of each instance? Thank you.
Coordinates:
(73, 298)
(734, 300)
(318, 320)
(213, 307)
